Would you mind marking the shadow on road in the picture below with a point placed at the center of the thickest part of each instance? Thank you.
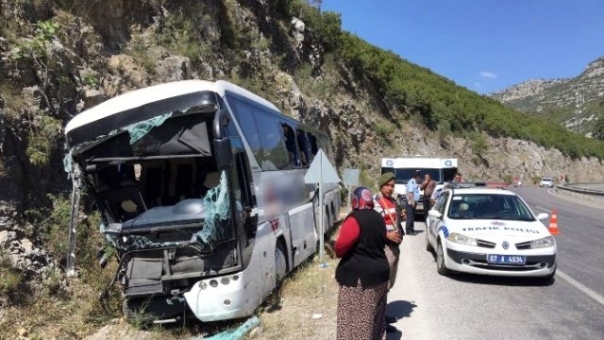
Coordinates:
(502, 280)
(394, 335)
(399, 309)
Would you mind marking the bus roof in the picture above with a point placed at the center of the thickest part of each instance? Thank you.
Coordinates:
(419, 162)
(156, 93)
(223, 86)
(136, 98)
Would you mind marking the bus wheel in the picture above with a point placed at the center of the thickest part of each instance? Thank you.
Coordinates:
(280, 263)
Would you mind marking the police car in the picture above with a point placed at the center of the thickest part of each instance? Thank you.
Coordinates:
(490, 232)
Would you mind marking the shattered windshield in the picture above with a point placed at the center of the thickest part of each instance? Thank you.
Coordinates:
(159, 136)
(200, 221)
(159, 174)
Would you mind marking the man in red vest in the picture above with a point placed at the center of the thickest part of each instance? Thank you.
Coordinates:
(386, 205)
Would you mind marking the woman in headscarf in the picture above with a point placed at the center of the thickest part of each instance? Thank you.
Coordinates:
(363, 271)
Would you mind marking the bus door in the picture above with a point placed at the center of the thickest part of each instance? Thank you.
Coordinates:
(326, 214)
(302, 226)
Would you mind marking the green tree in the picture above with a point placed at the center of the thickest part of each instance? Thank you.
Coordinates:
(598, 131)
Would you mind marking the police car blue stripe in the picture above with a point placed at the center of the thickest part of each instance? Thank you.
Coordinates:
(445, 230)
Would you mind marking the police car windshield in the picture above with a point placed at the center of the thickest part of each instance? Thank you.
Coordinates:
(402, 176)
(488, 207)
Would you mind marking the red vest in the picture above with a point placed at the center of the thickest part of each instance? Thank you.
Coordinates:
(387, 208)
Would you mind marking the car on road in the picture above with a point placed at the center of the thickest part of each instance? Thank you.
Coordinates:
(547, 182)
(490, 232)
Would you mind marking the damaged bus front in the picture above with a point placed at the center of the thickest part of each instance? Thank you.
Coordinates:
(159, 168)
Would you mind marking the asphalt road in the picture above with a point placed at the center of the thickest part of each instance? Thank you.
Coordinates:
(431, 306)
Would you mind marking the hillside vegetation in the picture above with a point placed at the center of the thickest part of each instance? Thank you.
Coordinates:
(441, 103)
(574, 103)
(403, 87)
(445, 106)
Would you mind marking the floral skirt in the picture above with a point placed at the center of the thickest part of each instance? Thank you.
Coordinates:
(362, 312)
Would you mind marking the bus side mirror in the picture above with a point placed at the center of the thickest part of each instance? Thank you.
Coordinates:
(221, 119)
(223, 153)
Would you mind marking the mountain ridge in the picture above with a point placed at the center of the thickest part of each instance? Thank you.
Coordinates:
(575, 102)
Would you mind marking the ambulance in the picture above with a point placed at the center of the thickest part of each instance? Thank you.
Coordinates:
(441, 170)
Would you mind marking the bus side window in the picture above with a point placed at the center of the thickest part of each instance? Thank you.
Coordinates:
(312, 140)
(325, 146)
(275, 154)
(290, 144)
(303, 147)
(245, 116)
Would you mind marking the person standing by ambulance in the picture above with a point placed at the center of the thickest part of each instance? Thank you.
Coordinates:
(386, 205)
(412, 193)
(428, 186)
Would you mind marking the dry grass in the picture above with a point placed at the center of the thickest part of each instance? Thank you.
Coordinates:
(75, 313)
(308, 304)
(53, 311)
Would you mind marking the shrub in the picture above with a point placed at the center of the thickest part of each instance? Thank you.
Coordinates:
(10, 279)
(383, 130)
(508, 179)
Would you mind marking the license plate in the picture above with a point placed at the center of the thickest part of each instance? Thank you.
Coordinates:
(420, 206)
(506, 259)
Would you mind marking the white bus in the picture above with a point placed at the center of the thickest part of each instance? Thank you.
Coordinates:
(441, 170)
(201, 190)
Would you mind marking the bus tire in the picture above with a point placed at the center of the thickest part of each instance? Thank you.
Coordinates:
(280, 262)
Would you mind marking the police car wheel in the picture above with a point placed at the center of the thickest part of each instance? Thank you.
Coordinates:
(440, 260)
(428, 245)
(548, 279)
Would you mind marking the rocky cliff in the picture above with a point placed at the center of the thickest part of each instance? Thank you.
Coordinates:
(61, 57)
(575, 103)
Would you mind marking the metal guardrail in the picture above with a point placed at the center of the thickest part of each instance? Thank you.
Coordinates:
(579, 190)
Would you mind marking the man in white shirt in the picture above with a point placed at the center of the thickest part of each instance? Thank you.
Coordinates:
(412, 198)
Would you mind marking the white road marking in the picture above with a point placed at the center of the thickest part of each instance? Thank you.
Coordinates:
(599, 298)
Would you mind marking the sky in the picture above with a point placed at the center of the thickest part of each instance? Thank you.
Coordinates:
(484, 45)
